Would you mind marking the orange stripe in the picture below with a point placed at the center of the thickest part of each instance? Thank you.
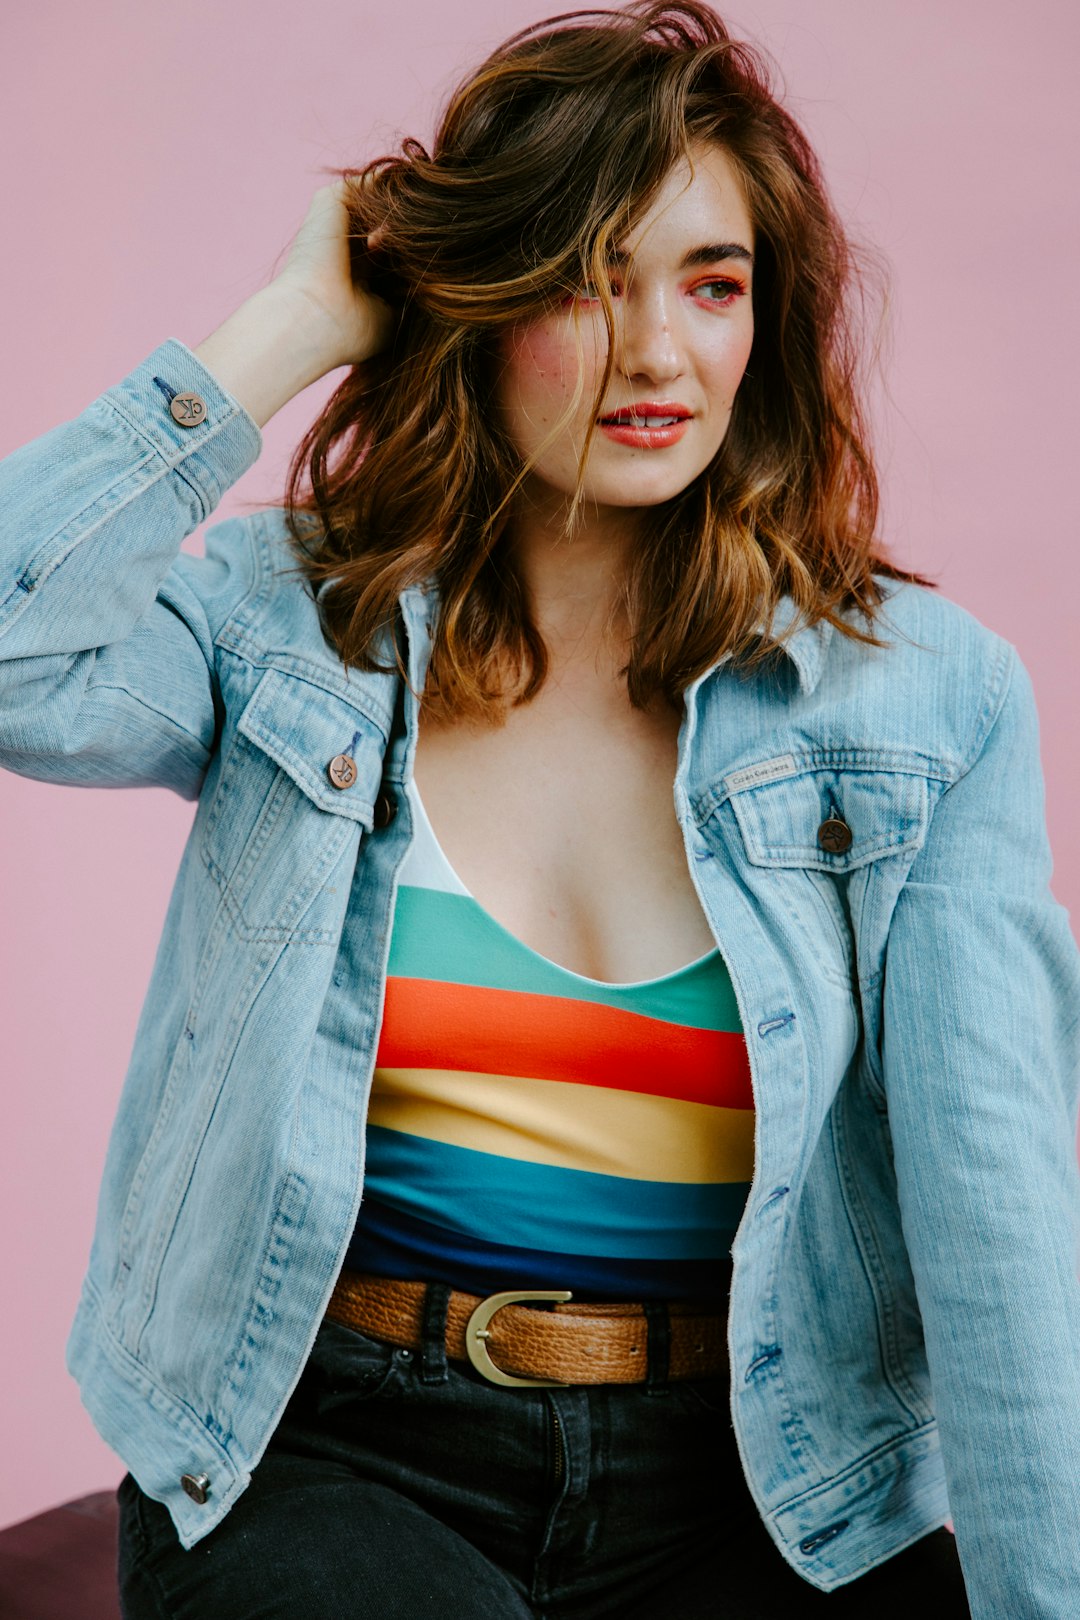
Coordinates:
(428, 1024)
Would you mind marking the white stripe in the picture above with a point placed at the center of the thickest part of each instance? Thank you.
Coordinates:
(425, 866)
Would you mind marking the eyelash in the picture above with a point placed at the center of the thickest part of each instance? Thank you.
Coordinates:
(736, 290)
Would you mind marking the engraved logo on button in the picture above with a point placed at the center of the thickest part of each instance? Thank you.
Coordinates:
(187, 409)
(834, 835)
(342, 770)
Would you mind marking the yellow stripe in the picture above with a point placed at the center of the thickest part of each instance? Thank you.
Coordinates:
(618, 1133)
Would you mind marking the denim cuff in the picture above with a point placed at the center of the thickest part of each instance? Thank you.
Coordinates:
(214, 453)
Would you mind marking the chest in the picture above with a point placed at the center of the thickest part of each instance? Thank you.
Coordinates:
(562, 824)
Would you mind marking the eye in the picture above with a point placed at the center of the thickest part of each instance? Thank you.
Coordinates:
(719, 290)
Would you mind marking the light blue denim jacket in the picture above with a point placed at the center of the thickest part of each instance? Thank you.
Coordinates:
(905, 1314)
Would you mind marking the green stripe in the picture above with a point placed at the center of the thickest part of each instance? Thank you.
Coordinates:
(451, 938)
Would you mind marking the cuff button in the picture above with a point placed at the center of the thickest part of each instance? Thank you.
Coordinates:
(187, 409)
(197, 1486)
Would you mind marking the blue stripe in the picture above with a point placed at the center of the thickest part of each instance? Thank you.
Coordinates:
(547, 1207)
(390, 1244)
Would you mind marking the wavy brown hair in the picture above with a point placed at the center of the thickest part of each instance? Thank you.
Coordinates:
(543, 160)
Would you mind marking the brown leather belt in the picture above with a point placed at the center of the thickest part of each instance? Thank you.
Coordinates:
(511, 1343)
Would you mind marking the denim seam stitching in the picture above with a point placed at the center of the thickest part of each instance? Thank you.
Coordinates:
(879, 1453)
(811, 762)
(151, 708)
(185, 451)
(54, 562)
(164, 1234)
(237, 634)
(869, 1252)
(994, 698)
(253, 586)
(132, 1370)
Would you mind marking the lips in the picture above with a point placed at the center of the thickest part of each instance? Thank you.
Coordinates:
(648, 413)
(648, 424)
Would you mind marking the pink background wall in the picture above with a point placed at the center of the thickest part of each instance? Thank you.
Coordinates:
(156, 162)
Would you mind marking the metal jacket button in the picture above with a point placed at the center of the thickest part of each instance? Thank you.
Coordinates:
(834, 835)
(197, 1486)
(342, 770)
(385, 810)
(187, 409)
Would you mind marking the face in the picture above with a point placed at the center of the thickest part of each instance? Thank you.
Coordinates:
(680, 287)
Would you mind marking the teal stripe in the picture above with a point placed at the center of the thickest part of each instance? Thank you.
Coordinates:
(451, 938)
(541, 1206)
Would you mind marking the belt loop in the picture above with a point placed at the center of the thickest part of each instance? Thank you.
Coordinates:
(658, 1324)
(433, 1368)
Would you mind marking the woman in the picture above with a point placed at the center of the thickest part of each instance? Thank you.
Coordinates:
(609, 885)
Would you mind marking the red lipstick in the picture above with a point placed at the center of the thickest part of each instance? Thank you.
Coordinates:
(648, 424)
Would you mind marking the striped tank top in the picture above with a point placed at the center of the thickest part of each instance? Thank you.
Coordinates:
(533, 1128)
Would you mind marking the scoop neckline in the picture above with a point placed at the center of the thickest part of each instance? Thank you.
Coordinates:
(569, 973)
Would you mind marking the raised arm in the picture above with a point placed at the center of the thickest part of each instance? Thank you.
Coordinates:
(107, 673)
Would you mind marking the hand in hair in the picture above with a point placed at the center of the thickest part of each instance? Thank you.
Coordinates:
(320, 266)
(316, 314)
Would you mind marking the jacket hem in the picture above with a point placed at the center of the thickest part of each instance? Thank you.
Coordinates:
(888, 1500)
(156, 1436)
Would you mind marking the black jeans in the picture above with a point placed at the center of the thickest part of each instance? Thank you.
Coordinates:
(400, 1486)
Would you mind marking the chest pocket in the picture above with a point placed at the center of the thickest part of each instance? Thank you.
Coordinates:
(274, 827)
(827, 833)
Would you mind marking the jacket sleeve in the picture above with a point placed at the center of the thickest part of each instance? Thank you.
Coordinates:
(107, 670)
(980, 1056)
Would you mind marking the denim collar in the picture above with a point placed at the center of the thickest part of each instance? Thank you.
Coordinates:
(805, 646)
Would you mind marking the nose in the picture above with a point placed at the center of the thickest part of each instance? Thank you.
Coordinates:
(648, 343)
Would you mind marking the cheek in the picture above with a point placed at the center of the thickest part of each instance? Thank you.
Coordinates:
(735, 359)
(541, 365)
(721, 374)
(541, 353)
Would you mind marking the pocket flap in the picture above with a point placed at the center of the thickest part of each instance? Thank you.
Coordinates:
(302, 727)
(885, 811)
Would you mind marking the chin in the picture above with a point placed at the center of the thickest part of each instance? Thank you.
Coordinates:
(629, 491)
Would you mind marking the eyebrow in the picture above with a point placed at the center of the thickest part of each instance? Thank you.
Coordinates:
(708, 253)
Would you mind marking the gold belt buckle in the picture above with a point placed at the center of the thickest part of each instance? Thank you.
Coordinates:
(477, 1333)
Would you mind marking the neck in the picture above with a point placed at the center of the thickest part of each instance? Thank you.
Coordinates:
(574, 585)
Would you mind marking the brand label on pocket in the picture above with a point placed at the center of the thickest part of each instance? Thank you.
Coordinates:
(769, 770)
